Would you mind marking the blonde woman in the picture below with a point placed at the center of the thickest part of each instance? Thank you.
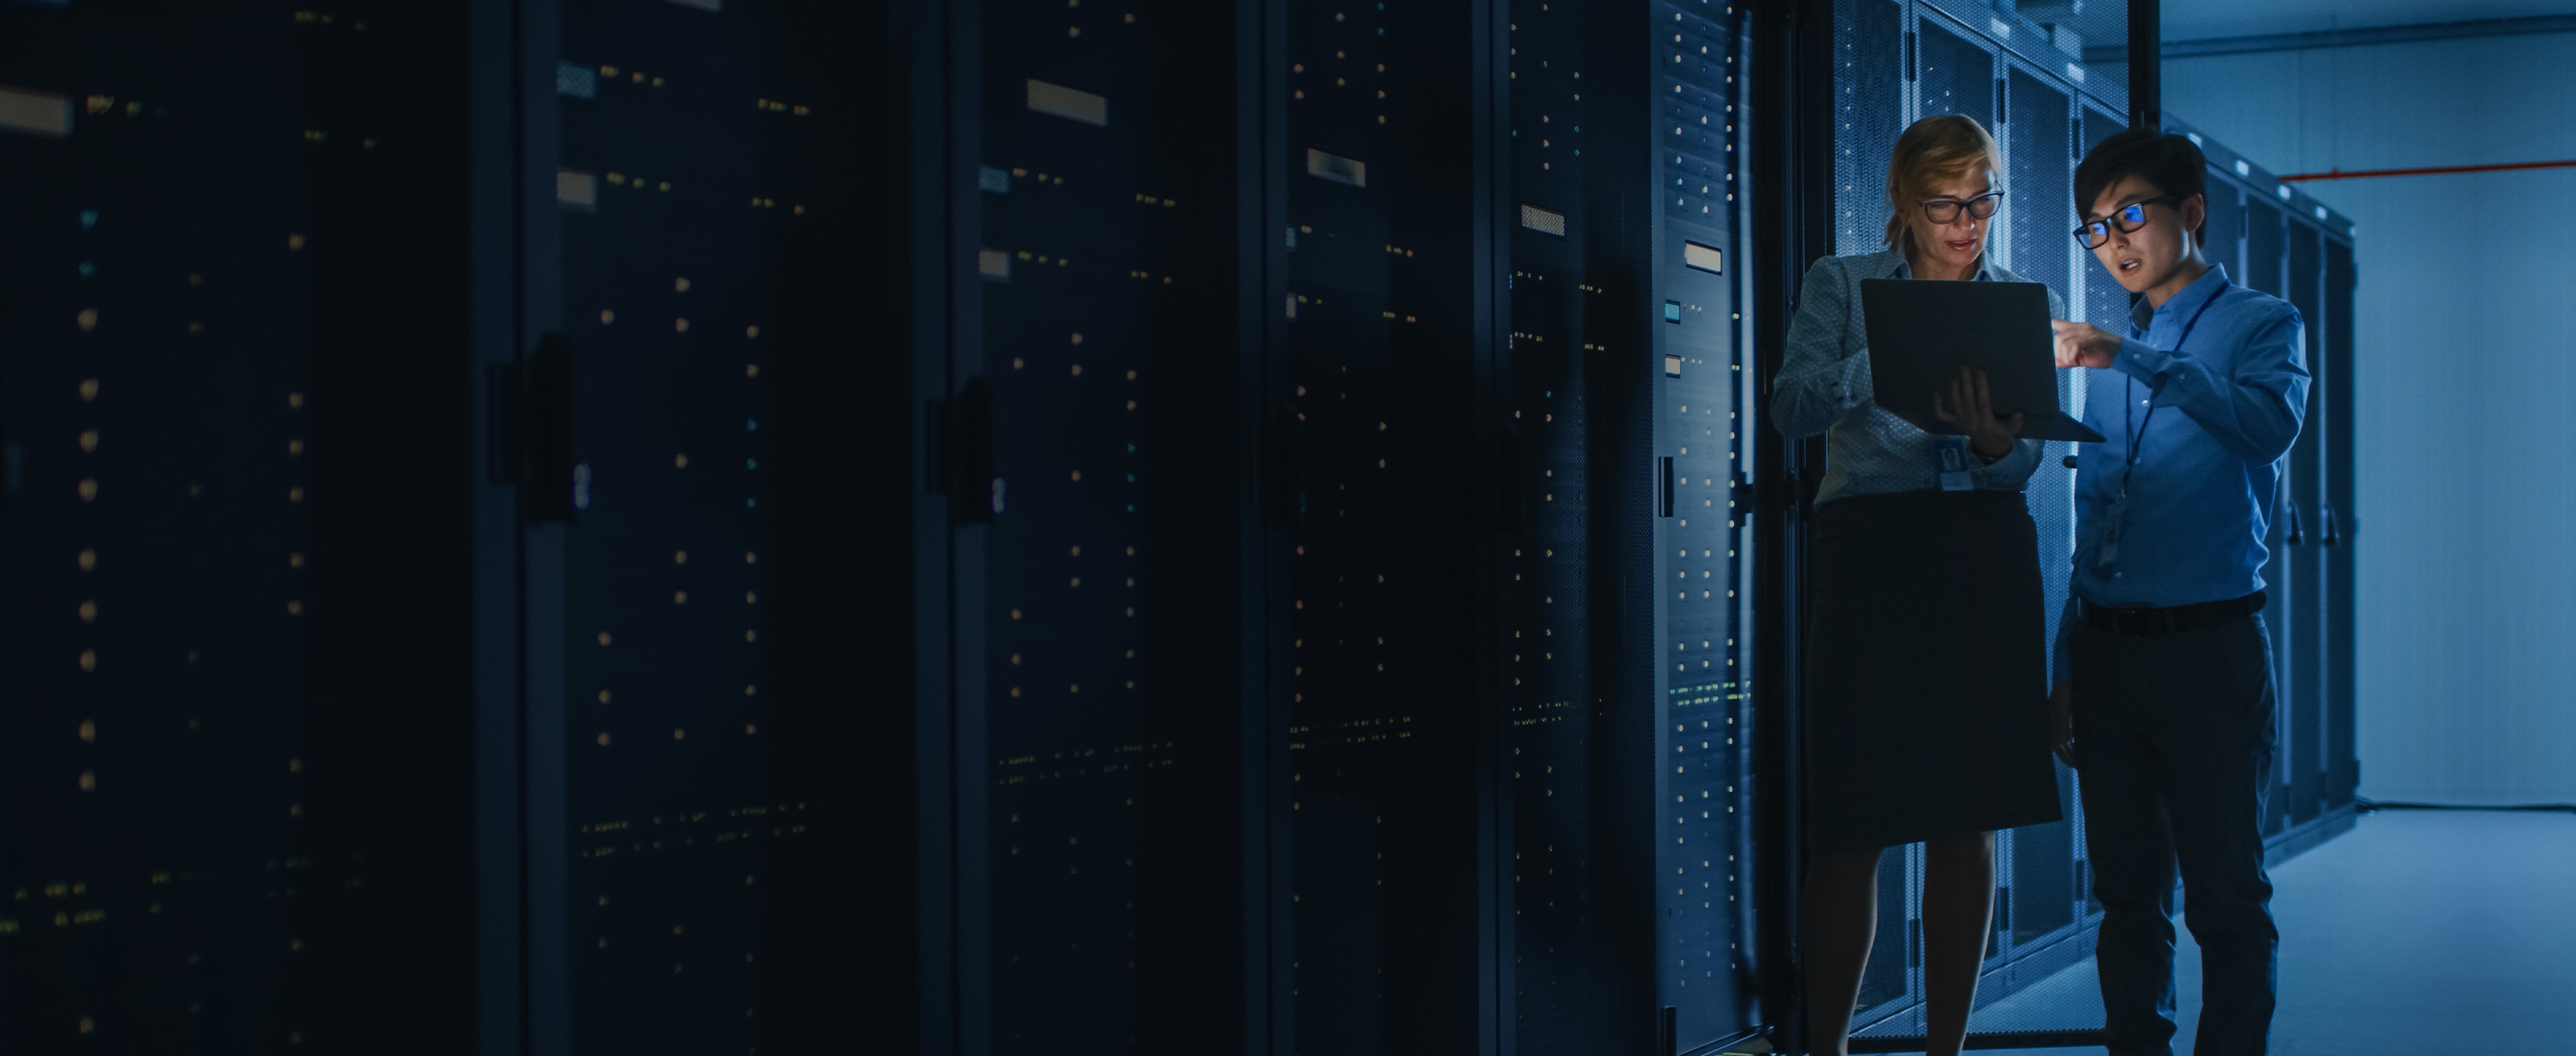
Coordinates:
(1926, 659)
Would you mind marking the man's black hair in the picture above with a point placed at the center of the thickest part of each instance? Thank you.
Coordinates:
(2174, 164)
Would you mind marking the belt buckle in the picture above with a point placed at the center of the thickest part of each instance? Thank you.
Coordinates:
(2141, 623)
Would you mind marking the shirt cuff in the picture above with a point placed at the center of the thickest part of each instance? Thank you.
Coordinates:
(2142, 361)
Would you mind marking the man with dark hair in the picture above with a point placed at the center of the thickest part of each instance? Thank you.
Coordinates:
(2164, 691)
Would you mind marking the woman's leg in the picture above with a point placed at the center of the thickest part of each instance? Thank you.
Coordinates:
(1958, 913)
(1842, 916)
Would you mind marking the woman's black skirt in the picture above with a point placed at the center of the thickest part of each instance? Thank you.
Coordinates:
(1927, 670)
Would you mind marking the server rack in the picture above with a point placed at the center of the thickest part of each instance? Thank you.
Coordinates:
(1579, 935)
(1706, 405)
(693, 672)
(1620, 286)
(2276, 238)
(1095, 796)
(1395, 275)
(238, 791)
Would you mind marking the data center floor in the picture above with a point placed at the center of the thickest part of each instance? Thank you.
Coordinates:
(2419, 931)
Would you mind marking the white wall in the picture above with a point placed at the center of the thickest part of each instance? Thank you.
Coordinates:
(2465, 393)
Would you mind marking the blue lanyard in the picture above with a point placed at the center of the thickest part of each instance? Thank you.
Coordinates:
(2141, 433)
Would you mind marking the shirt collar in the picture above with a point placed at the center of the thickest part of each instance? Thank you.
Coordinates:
(2201, 289)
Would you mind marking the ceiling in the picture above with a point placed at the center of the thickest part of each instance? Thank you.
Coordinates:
(2206, 19)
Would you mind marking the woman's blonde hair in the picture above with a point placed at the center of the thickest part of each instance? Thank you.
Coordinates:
(1935, 149)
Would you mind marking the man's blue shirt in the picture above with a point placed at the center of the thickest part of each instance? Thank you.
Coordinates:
(2227, 404)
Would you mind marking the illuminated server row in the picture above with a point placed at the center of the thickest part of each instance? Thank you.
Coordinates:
(1150, 527)
(1352, 310)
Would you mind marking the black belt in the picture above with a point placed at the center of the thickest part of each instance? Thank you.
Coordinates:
(2145, 623)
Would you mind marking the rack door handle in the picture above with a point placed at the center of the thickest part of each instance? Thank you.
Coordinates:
(961, 453)
(534, 404)
(1283, 470)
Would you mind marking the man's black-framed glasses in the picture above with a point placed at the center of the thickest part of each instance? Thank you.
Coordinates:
(1946, 210)
(2128, 218)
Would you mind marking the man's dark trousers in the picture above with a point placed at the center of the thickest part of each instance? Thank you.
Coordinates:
(2174, 739)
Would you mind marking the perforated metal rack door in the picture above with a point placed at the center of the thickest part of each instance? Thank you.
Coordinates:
(233, 813)
(1954, 73)
(1575, 920)
(2265, 268)
(1100, 747)
(1871, 83)
(2334, 371)
(2222, 234)
(719, 651)
(1704, 403)
(2303, 694)
(2105, 303)
(1385, 358)
(2039, 911)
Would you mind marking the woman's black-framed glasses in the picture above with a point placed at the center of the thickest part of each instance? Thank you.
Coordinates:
(2129, 218)
(1946, 210)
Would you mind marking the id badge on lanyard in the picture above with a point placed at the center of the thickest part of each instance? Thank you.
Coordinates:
(2107, 555)
(1950, 462)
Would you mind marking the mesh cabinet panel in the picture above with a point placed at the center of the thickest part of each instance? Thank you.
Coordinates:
(1704, 407)
(1870, 85)
(236, 759)
(1382, 355)
(1572, 935)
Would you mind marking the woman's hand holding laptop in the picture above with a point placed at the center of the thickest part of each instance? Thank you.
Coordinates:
(1970, 407)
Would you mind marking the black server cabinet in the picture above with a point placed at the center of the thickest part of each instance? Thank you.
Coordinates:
(2222, 233)
(1092, 876)
(696, 670)
(686, 608)
(237, 770)
(2038, 898)
(1393, 288)
(1573, 953)
(2265, 270)
(2337, 520)
(2303, 786)
(1626, 370)
(2106, 304)
(1704, 412)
